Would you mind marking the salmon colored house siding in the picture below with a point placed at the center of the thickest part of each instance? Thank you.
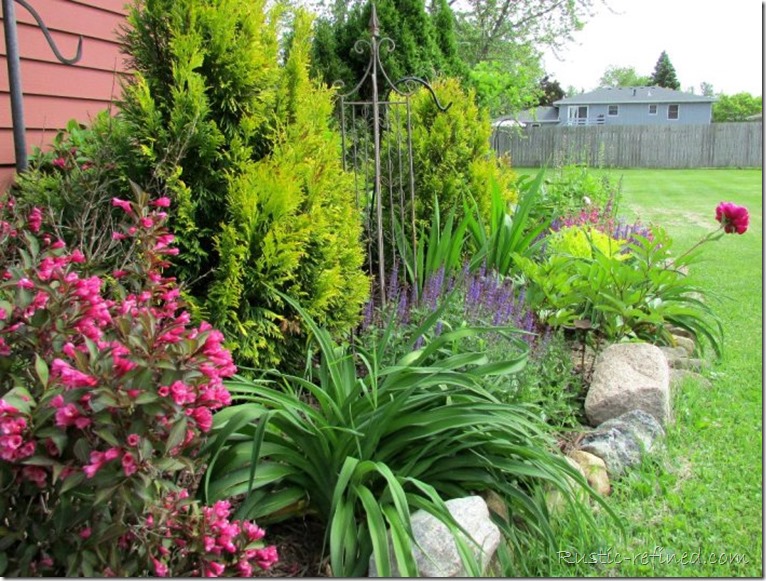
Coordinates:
(54, 92)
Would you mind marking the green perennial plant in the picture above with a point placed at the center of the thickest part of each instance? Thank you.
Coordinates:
(362, 444)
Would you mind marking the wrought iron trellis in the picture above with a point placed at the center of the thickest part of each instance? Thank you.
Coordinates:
(14, 72)
(383, 118)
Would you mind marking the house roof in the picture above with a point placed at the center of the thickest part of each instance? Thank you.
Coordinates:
(539, 115)
(615, 95)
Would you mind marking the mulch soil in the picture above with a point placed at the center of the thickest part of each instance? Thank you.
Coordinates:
(299, 542)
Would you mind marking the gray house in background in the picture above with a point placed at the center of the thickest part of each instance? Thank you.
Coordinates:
(624, 106)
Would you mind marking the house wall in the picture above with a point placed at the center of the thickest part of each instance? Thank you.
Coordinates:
(638, 114)
(54, 92)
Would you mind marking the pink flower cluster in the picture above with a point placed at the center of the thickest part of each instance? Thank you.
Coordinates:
(733, 218)
(108, 392)
(112, 378)
(219, 545)
(91, 319)
(14, 442)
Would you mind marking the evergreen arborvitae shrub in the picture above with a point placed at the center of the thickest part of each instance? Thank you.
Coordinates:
(243, 144)
(452, 155)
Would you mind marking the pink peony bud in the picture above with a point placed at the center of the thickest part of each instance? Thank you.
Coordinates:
(732, 217)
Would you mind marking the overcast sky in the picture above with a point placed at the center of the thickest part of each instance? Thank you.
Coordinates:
(717, 42)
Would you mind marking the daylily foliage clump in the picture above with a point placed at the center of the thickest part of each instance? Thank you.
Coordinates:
(107, 392)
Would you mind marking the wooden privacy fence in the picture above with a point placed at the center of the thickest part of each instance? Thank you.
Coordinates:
(650, 146)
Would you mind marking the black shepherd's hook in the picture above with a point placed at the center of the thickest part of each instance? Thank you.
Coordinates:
(442, 108)
(49, 38)
(14, 72)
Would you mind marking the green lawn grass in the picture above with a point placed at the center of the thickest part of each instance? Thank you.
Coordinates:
(703, 494)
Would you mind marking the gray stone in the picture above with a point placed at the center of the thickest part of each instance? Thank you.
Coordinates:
(620, 442)
(496, 504)
(691, 364)
(678, 376)
(674, 354)
(644, 427)
(626, 377)
(439, 556)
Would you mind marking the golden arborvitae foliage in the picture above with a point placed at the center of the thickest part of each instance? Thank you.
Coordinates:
(241, 138)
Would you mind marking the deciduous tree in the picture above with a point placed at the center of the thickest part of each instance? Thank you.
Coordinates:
(615, 76)
(706, 89)
(505, 87)
(487, 27)
(736, 107)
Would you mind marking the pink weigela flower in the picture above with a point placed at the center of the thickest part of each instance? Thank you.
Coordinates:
(35, 474)
(129, 464)
(160, 569)
(163, 202)
(70, 415)
(266, 557)
(124, 204)
(35, 220)
(70, 377)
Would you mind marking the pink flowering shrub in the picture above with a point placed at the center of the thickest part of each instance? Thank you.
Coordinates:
(106, 394)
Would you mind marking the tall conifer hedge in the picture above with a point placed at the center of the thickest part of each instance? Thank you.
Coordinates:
(241, 138)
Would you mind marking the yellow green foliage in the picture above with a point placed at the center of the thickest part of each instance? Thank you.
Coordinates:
(228, 123)
(579, 241)
(291, 227)
(452, 153)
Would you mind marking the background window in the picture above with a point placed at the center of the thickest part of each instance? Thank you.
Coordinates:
(652, 109)
(672, 111)
(613, 110)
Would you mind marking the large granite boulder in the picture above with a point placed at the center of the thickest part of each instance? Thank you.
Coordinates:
(439, 556)
(626, 377)
(622, 441)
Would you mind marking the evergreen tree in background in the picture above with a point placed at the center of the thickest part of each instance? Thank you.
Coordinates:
(664, 74)
(551, 91)
(425, 43)
(446, 38)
